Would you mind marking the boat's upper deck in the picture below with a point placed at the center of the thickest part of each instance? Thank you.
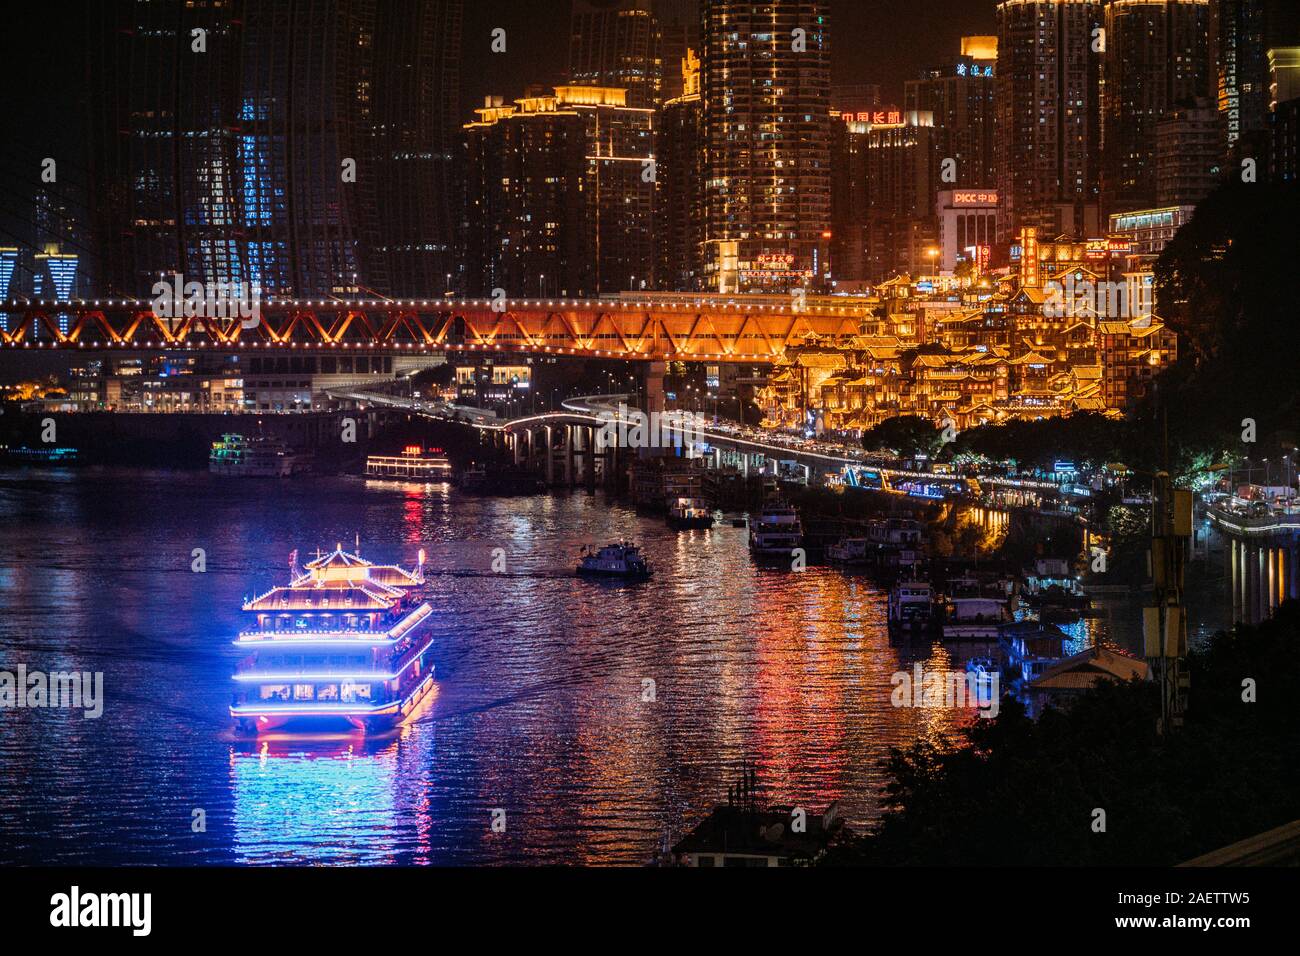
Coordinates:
(337, 593)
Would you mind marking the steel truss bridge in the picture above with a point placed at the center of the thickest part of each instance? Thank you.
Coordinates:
(649, 329)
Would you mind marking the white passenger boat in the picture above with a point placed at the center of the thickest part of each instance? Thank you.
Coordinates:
(239, 456)
(776, 533)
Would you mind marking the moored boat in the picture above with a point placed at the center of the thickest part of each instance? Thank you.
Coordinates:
(776, 533)
(911, 607)
(258, 456)
(849, 551)
(685, 513)
(974, 618)
(345, 645)
(1054, 592)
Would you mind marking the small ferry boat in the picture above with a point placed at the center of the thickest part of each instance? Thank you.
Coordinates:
(623, 561)
(911, 607)
(345, 645)
(415, 463)
(686, 513)
(256, 456)
(776, 532)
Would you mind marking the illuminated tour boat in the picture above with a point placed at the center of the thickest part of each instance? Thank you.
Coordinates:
(259, 456)
(345, 645)
(415, 463)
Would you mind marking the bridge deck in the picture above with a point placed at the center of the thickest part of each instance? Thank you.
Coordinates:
(648, 330)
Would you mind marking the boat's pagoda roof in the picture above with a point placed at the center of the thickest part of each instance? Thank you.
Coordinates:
(349, 567)
(337, 558)
(341, 581)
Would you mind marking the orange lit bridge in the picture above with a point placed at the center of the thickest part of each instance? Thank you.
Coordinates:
(654, 328)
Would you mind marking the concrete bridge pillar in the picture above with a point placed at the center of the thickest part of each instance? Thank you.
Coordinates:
(516, 448)
(613, 462)
(653, 386)
(589, 457)
(1234, 576)
(550, 455)
(568, 456)
(1292, 591)
(1259, 593)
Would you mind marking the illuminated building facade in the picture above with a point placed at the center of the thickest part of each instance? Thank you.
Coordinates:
(305, 229)
(493, 384)
(766, 92)
(885, 169)
(1132, 354)
(1150, 229)
(1047, 91)
(272, 155)
(849, 203)
(1242, 32)
(163, 145)
(1284, 114)
(559, 201)
(1157, 56)
(894, 172)
(415, 140)
(959, 94)
(984, 351)
(8, 265)
(679, 31)
(967, 227)
(526, 218)
(679, 201)
(616, 43)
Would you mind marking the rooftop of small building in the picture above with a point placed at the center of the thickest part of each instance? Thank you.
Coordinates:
(1083, 670)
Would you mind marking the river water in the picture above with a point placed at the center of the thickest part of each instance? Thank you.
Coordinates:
(540, 713)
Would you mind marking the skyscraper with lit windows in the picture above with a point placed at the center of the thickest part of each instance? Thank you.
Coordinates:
(765, 84)
(300, 146)
(615, 43)
(1157, 59)
(1047, 92)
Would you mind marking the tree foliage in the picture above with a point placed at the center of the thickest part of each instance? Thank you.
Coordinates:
(1020, 792)
(905, 434)
(1224, 284)
(1084, 438)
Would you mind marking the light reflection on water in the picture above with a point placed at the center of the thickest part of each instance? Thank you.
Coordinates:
(539, 708)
